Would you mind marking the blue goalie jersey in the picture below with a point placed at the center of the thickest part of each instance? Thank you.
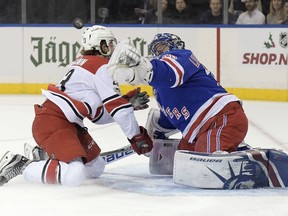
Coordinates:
(186, 91)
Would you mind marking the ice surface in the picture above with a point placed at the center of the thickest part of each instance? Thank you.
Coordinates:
(126, 187)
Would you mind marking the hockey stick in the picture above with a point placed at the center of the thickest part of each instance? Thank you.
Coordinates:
(36, 153)
(109, 156)
(115, 155)
(125, 151)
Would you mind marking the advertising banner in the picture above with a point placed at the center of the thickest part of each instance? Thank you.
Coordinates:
(254, 58)
(240, 58)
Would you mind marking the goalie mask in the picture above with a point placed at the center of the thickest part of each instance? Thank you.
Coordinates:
(164, 42)
(99, 38)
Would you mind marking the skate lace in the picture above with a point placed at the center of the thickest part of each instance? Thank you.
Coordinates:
(12, 173)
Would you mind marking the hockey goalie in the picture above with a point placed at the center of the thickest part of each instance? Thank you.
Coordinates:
(244, 168)
(212, 122)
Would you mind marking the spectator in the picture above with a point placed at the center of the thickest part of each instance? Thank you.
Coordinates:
(276, 14)
(166, 12)
(236, 7)
(151, 13)
(215, 14)
(106, 11)
(286, 12)
(182, 13)
(252, 15)
(146, 13)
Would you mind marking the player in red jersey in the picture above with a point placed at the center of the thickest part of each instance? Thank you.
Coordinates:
(86, 91)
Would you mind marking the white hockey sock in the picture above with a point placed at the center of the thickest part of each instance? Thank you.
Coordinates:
(55, 172)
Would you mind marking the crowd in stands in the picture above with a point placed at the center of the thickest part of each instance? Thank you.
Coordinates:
(145, 11)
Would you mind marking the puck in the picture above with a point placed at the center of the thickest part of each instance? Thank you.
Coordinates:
(78, 23)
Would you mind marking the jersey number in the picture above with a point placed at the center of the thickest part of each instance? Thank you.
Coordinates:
(65, 79)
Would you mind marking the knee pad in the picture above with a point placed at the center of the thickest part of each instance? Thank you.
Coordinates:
(73, 173)
(95, 168)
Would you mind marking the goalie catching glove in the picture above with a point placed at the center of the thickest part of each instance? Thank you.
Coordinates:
(141, 143)
(138, 99)
(126, 66)
(125, 55)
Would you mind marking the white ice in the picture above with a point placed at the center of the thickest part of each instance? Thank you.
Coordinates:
(126, 187)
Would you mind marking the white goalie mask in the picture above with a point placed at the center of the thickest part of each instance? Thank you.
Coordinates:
(93, 37)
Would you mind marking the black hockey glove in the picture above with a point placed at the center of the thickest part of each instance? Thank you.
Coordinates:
(138, 99)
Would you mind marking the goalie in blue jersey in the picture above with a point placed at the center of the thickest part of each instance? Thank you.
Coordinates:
(211, 121)
(190, 99)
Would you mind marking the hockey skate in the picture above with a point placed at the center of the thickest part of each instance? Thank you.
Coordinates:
(12, 165)
(34, 153)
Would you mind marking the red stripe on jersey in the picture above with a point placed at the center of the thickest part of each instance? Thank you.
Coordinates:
(179, 72)
(81, 107)
(273, 176)
(99, 112)
(200, 118)
(115, 103)
(52, 172)
(90, 63)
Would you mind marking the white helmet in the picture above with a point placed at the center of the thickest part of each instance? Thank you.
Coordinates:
(93, 36)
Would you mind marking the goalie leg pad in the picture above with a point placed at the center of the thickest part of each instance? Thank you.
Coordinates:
(254, 168)
(162, 156)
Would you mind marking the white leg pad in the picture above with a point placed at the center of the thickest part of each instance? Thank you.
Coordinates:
(162, 156)
(252, 168)
(193, 169)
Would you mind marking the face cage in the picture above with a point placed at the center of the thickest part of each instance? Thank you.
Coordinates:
(111, 44)
(155, 48)
(154, 45)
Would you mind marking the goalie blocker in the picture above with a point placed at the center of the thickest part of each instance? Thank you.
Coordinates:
(161, 158)
(254, 168)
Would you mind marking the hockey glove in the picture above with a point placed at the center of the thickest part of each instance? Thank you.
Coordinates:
(138, 99)
(125, 54)
(141, 143)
